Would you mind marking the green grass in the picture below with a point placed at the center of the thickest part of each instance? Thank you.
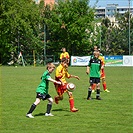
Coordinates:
(113, 114)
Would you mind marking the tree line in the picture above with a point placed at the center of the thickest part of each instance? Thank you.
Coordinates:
(27, 26)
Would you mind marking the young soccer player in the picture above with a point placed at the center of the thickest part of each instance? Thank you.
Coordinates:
(65, 54)
(61, 75)
(93, 69)
(42, 91)
(101, 57)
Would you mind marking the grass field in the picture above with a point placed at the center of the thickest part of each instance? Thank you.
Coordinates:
(113, 114)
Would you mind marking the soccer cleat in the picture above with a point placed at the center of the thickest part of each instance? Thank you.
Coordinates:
(74, 109)
(89, 98)
(56, 100)
(29, 116)
(98, 98)
(106, 90)
(46, 114)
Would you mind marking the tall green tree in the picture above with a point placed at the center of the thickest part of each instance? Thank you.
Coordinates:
(115, 35)
(19, 25)
(66, 23)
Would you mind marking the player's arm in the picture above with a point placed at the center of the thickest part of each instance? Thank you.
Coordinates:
(74, 76)
(67, 56)
(71, 76)
(102, 64)
(87, 70)
(88, 67)
(54, 81)
(60, 56)
(102, 61)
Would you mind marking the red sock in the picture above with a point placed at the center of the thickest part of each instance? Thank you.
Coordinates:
(93, 86)
(71, 102)
(104, 86)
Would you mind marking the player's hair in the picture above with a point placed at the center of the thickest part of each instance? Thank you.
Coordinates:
(96, 52)
(64, 60)
(50, 65)
(63, 48)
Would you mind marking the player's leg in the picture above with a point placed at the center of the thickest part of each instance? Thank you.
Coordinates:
(32, 108)
(60, 92)
(58, 98)
(90, 88)
(71, 102)
(98, 89)
(49, 106)
(104, 81)
(93, 88)
(104, 85)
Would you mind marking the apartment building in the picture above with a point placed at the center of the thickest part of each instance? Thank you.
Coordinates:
(111, 9)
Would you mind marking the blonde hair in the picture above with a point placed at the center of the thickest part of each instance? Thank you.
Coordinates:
(50, 65)
(96, 52)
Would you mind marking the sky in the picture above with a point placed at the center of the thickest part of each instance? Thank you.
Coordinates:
(103, 3)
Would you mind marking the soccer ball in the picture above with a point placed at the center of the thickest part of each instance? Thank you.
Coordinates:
(71, 87)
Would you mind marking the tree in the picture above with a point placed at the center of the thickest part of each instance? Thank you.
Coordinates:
(19, 27)
(66, 23)
(115, 35)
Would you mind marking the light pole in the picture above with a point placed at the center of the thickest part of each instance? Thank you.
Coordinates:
(129, 29)
(99, 27)
(44, 44)
(100, 36)
(18, 43)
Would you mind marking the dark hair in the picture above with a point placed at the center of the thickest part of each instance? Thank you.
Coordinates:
(64, 60)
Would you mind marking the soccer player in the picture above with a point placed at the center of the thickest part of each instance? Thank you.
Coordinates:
(93, 69)
(42, 91)
(61, 75)
(101, 57)
(65, 54)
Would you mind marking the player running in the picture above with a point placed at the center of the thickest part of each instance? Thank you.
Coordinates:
(61, 75)
(42, 91)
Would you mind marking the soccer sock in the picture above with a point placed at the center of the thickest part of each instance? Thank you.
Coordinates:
(32, 108)
(98, 93)
(49, 106)
(71, 102)
(104, 85)
(93, 86)
(89, 92)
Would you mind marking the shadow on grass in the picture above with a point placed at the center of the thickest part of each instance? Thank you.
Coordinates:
(43, 114)
(92, 98)
(61, 110)
(40, 114)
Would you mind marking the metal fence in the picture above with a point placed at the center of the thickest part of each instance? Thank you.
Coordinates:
(38, 60)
